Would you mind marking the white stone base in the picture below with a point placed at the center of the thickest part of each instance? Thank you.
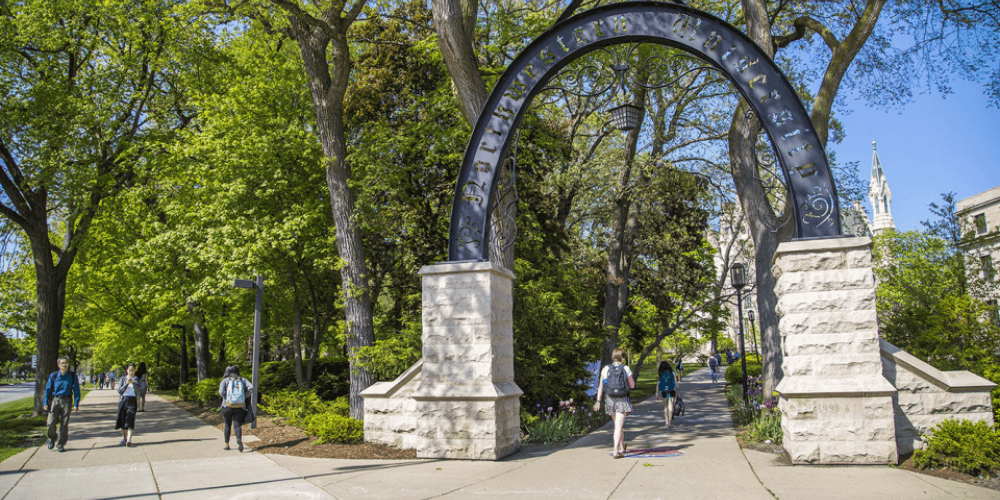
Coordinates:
(460, 400)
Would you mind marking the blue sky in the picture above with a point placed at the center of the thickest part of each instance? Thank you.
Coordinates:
(934, 145)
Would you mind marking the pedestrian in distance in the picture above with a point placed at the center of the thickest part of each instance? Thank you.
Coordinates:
(127, 404)
(713, 367)
(616, 381)
(111, 379)
(235, 391)
(62, 395)
(101, 380)
(142, 375)
(666, 390)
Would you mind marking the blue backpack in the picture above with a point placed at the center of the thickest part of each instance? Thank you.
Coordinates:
(667, 382)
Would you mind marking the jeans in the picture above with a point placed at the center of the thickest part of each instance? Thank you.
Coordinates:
(231, 416)
(59, 415)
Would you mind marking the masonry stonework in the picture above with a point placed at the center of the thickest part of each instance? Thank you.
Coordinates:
(460, 400)
(836, 406)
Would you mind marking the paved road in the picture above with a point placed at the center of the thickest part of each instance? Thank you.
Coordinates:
(16, 391)
(178, 457)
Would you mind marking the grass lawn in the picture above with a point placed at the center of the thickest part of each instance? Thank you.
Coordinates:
(20, 430)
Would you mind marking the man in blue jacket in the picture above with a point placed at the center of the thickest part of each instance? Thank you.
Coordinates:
(62, 393)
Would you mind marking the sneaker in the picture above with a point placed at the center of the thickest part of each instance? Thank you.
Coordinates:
(240, 444)
(227, 447)
(60, 449)
(123, 442)
(50, 444)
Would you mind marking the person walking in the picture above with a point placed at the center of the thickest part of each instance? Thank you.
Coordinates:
(100, 380)
(62, 395)
(713, 367)
(666, 390)
(142, 376)
(111, 379)
(127, 391)
(616, 381)
(235, 391)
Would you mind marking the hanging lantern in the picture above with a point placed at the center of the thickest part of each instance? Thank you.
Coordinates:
(627, 116)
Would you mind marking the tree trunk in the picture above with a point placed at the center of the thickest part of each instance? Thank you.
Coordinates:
(328, 85)
(202, 355)
(50, 305)
(616, 287)
(300, 379)
(455, 24)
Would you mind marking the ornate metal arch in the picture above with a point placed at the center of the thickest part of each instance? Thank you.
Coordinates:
(816, 212)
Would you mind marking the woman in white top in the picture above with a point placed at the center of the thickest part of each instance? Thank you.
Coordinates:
(617, 407)
(127, 391)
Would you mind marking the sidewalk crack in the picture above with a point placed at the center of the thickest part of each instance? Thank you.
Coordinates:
(623, 479)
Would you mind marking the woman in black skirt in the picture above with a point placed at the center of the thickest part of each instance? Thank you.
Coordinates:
(128, 390)
(616, 407)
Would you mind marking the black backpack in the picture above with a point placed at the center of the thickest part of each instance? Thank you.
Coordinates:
(617, 384)
(678, 407)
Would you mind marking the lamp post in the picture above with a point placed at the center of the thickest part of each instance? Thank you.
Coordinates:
(753, 334)
(259, 286)
(738, 278)
(184, 355)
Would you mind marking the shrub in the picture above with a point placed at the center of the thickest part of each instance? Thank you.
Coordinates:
(331, 377)
(341, 406)
(333, 428)
(734, 374)
(187, 391)
(556, 424)
(275, 376)
(966, 446)
(164, 378)
(765, 426)
(292, 405)
(207, 392)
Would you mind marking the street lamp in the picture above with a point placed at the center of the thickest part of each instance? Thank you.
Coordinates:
(184, 354)
(259, 286)
(753, 333)
(738, 278)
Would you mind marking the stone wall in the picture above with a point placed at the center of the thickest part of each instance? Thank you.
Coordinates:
(836, 405)
(460, 401)
(927, 396)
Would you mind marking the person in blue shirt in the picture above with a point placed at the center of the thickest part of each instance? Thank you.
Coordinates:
(62, 394)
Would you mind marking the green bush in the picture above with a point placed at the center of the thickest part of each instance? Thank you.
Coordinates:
(333, 428)
(164, 378)
(734, 374)
(331, 377)
(966, 446)
(341, 406)
(765, 426)
(293, 406)
(207, 392)
(187, 391)
(556, 424)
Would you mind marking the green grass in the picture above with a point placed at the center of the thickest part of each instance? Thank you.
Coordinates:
(18, 429)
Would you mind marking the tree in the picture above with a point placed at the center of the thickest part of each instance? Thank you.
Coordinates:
(87, 88)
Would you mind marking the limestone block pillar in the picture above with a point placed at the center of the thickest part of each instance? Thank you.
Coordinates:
(467, 403)
(836, 405)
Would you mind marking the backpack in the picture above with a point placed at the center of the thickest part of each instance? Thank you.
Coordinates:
(616, 383)
(667, 382)
(234, 393)
(678, 407)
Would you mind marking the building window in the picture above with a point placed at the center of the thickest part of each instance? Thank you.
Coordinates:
(986, 261)
(994, 311)
(980, 221)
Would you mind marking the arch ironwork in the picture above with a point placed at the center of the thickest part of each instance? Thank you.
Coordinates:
(816, 212)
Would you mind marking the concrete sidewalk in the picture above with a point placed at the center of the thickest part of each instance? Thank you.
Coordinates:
(178, 456)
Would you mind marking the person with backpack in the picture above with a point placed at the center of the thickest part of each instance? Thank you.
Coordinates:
(235, 391)
(128, 391)
(62, 395)
(713, 367)
(616, 381)
(666, 389)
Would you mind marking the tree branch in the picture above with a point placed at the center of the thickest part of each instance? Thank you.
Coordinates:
(801, 24)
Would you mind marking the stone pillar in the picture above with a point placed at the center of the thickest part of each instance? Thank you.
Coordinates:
(467, 403)
(836, 406)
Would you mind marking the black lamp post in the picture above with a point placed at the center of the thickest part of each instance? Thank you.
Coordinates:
(753, 334)
(184, 355)
(738, 278)
(259, 286)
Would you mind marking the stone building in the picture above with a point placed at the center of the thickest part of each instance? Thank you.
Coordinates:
(880, 197)
(979, 217)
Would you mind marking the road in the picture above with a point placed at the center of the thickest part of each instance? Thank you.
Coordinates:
(16, 391)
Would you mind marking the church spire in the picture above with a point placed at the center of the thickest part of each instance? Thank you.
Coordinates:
(880, 196)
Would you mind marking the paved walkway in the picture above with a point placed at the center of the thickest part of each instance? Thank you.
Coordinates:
(179, 457)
